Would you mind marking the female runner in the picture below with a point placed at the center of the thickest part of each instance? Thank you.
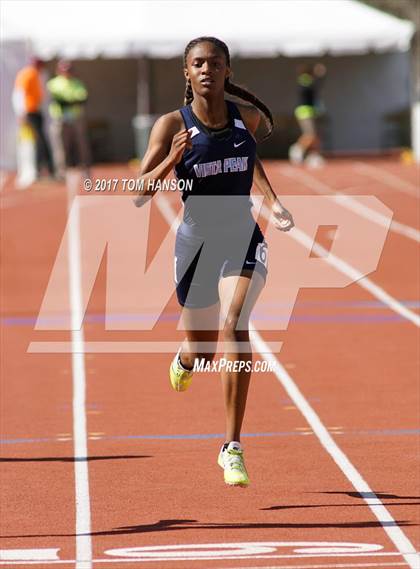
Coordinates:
(220, 252)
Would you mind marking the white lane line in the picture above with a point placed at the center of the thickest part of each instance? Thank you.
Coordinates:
(345, 268)
(368, 213)
(356, 276)
(352, 204)
(380, 175)
(394, 532)
(352, 272)
(396, 535)
(81, 469)
(134, 560)
(40, 554)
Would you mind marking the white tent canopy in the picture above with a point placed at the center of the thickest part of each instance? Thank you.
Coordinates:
(260, 28)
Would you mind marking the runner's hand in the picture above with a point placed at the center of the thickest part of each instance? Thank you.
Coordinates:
(142, 200)
(180, 142)
(283, 219)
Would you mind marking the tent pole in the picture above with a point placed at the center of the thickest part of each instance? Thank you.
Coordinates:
(143, 86)
(143, 120)
(415, 94)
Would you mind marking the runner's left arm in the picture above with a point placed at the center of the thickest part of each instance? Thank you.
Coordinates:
(283, 219)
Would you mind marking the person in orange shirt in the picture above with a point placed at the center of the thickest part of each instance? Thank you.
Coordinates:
(27, 100)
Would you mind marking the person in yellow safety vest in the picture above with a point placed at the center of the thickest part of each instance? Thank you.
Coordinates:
(67, 110)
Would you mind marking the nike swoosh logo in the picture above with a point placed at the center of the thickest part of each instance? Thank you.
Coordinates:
(250, 262)
(236, 145)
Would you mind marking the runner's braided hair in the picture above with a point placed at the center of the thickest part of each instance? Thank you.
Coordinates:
(230, 88)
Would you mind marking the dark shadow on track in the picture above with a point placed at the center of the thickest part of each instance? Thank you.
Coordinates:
(380, 495)
(73, 459)
(178, 524)
(363, 505)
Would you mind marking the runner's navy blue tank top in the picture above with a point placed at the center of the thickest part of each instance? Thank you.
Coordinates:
(221, 169)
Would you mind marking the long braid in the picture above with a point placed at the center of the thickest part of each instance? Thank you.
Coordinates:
(246, 95)
(189, 95)
(230, 88)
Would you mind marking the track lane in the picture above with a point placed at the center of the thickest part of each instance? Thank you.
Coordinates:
(187, 412)
(107, 417)
(37, 482)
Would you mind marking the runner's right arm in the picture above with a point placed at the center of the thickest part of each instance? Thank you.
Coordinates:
(168, 140)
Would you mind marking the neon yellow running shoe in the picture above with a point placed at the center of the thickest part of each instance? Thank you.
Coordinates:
(231, 460)
(179, 376)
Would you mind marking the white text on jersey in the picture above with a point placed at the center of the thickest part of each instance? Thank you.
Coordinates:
(234, 164)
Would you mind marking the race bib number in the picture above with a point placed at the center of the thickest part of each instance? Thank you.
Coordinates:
(261, 253)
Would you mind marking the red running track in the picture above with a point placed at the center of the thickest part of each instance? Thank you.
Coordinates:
(152, 475)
